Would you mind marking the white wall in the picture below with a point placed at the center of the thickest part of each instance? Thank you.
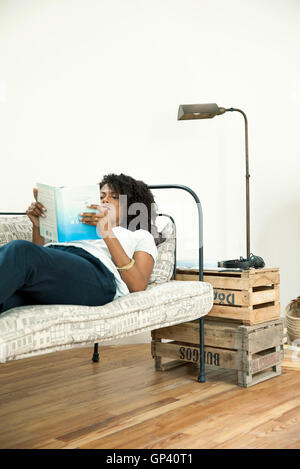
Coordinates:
(89, 87)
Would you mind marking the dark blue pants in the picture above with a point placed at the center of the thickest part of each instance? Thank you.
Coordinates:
(32, 274)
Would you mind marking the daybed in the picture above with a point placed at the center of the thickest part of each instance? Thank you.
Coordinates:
(34, 330)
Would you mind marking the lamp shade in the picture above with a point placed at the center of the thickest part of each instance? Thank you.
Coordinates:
(199, 111)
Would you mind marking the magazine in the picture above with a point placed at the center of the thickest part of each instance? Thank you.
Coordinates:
(63, 207)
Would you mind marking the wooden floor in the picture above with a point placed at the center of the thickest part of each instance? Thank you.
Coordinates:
(63, 400)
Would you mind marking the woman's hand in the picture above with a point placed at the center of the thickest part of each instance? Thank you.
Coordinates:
(101, 219)
(35, 210)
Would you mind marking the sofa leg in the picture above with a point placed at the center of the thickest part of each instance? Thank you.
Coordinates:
(95, 357)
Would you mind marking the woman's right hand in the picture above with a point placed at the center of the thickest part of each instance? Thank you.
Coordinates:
(35, 210)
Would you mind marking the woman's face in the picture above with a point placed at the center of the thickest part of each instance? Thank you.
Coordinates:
(110, 200)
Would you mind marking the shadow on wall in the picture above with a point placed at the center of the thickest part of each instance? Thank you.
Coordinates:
(278, 242)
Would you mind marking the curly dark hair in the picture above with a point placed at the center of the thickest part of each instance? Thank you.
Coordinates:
(137, 192)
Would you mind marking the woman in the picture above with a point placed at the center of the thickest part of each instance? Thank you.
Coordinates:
(88, 272)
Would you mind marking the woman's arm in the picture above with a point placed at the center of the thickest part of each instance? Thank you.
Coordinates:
(33, 212)
(36, 237)
(137, 277)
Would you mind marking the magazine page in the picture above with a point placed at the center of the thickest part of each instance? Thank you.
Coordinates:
(48, 225)
(71, 201)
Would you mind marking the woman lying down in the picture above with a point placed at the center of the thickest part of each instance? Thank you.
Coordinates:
(88, 272)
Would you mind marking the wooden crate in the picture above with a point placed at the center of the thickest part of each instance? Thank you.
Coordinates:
(255, 352)
(250, 297)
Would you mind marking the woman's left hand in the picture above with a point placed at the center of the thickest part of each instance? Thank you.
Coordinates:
(101, 219)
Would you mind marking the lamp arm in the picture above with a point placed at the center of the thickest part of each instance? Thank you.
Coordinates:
(247, 178)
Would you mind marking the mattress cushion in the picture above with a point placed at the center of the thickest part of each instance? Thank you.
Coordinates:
(33, 330)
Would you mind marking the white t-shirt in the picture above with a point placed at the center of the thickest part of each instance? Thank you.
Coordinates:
(131, 241)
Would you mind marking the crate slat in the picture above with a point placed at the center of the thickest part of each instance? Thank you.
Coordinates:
(264, 295)
(247, 315)
(268, 360)
(246, 381)
(217, 358)
(218, 335)
(261, 295)
(229, 283)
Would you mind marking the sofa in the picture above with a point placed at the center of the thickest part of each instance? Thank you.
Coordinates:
(39, 329)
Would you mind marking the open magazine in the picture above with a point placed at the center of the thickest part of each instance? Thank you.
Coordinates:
(64, 205)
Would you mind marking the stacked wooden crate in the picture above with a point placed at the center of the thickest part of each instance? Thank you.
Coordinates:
(250, 296)
(243, 331)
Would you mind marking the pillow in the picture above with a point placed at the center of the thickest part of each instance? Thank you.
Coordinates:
(164, 265)
(15, 227)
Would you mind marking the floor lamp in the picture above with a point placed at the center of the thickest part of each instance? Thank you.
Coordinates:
(207, 111)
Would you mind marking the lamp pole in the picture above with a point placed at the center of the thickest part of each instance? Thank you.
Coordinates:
(247, 180)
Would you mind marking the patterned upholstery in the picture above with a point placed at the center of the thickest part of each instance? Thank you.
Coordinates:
(34, 330)
(15, 227)
(38, 329)
(164, 265)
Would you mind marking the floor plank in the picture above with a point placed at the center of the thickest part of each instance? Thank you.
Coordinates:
(63, 400)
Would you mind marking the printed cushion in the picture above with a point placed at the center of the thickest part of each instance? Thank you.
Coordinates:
(15, 227)
(164, 265)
